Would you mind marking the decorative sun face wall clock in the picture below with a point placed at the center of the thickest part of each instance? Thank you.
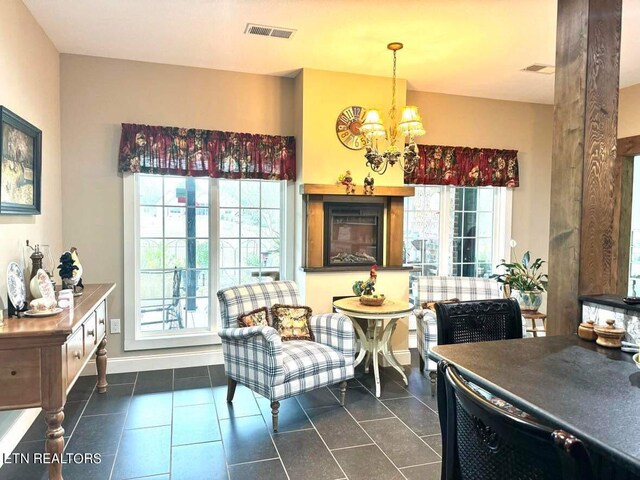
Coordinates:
(348, 127)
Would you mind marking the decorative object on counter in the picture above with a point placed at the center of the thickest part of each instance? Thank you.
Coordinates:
(16, 291)
(608, 335)
(41, 286)
(65, 298)
(36, 258)
(42, 305)
(20, 163)
(368, 184)
(71, 271)
(526, 283)
(347, 180)
(630, 347)
(586, 332)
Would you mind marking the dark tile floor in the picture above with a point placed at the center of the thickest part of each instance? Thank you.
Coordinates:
(176, 424)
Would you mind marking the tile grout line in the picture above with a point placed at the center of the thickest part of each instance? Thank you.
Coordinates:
(421, 465)
(215, 409)
(352, 446)
(124, 424)
(255, 461)
(367, 433)
(320, 436)
(271, 437)
(419, 437)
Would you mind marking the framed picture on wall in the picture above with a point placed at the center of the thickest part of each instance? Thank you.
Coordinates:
(20, 165)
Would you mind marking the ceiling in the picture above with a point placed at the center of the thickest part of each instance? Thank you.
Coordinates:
(464, 47)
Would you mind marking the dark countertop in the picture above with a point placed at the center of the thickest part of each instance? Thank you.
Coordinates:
(590, 391)
(614, 301)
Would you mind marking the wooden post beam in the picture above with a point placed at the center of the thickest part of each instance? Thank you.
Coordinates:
(585, 189)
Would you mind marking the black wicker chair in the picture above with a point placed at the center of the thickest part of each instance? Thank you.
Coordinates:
(468, 322)
(484, 442)
(478, 321)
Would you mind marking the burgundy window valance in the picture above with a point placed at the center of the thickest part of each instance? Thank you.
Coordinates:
(465, 167)
(199, 153)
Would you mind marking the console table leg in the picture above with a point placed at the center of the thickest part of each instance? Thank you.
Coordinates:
(101, 366)
(55, 441)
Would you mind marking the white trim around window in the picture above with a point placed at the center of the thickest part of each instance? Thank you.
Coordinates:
(133, 338)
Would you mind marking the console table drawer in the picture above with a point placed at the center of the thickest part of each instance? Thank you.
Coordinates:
(20, 377)
(101, 317)
(75, 354)
(90, 333)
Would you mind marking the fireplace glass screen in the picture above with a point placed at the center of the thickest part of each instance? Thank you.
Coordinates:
(353, 234)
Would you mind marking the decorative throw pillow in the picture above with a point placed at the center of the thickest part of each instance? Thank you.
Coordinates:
(292, 322)
(432, 305)
(256, 318)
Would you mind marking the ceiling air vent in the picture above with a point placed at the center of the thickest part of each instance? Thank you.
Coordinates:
(540, 68)
(267, 31)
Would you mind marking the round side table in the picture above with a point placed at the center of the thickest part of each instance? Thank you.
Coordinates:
(378, 337)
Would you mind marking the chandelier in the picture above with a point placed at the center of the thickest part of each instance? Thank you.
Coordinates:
(410, 125)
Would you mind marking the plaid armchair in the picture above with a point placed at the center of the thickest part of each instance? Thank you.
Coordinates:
(435, 289)
(258, 359)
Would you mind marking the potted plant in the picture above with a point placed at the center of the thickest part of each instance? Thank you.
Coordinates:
(526, 283)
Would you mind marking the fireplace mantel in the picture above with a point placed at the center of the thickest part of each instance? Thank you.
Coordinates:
(316, 195)
(337, 189)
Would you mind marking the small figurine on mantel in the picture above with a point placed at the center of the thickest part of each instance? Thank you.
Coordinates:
(368, 184)
(347, 180)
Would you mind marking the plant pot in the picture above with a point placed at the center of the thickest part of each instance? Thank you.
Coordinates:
(529, 301)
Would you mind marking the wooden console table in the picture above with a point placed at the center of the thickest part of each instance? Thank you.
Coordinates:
(41, 358)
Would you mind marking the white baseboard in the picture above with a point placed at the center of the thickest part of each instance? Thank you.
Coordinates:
(140, 363)
(403, 357)
(15, 433)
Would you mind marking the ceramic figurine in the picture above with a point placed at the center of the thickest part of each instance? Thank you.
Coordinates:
(368, 184)
(347, 180)
(71, 270)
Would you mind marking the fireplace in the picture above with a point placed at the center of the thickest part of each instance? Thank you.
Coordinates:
(376, 231)
(353, 233)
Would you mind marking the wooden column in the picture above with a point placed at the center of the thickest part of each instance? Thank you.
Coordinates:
(585, 189)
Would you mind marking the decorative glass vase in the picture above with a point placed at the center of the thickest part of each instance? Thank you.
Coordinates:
(529, 301)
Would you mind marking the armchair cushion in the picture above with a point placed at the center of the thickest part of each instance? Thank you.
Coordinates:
(256, 318)
(292, 322)
(303, 359)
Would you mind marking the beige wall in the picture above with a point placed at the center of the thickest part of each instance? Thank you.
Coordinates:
(98, 95)
(322, 96)
(629, 112)
(325, 95)
(29, 87)
(526, 127)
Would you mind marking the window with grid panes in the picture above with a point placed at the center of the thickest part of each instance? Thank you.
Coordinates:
(453, 230)
(186, 238)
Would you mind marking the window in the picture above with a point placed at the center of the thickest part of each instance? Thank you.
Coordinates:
(459, 231)
(250, 226)
(172, 224)
(634, 257)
